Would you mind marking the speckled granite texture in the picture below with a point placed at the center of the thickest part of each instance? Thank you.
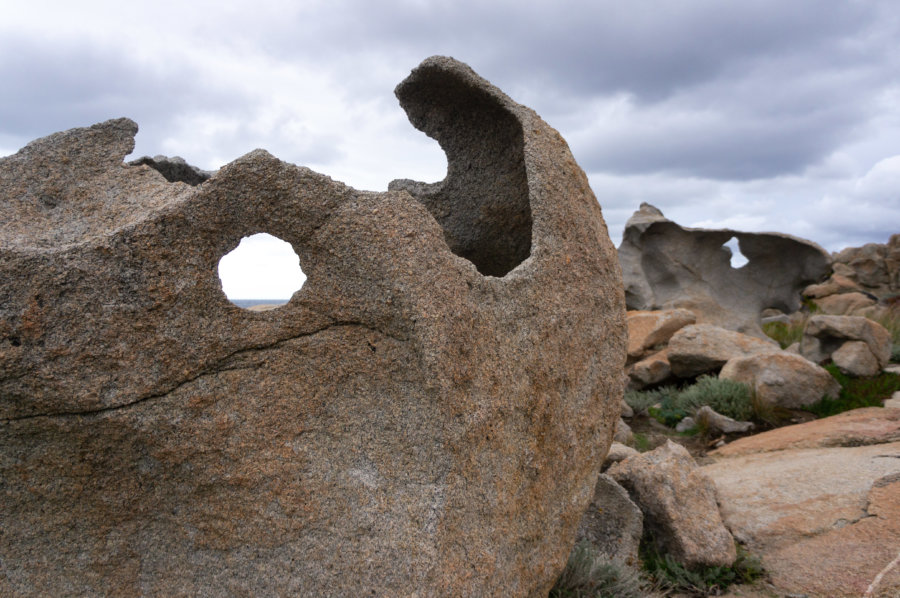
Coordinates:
(427, 416)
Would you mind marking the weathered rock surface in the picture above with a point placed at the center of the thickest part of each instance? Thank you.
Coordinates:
(874, 266)
(854, 358)
(717, 423)
(666, 266)
(782, 379)
(175, 169)
(844, 304)
(819, 502)
(651, 370)
(859, 427)
(836, 284)
(623, 433)
(679, 505)
(824, 335)
(702, 348)
(426, 415)
(612, 523)
(618, 452)
(648, 329)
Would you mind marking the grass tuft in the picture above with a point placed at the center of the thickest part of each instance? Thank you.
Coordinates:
(702, 581)
(589, 574)
(785, 334)
(856, 392)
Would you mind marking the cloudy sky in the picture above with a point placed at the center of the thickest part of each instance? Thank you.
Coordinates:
(759, 115)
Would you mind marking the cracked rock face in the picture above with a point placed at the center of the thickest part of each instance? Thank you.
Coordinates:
(426, 416)
(667, 266)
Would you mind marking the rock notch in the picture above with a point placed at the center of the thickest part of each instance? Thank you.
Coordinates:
(426, 416)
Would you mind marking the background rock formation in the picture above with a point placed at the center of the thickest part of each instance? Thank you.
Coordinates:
(874, 266)
(666, 266)
(427, 414)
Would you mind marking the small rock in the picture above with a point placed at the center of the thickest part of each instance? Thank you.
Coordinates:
(679, 505)
(824, 335)
(623, 432)
(627, 411)
(893, 402)
(834, 285)
(686, 424)
(717, 423)
(651, 370)
(647, 329)
(618, 452)
(844, 304)
(612, 523)
(855, 359)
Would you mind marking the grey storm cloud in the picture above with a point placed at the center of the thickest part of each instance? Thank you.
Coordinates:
(751, 69)
(763, 115)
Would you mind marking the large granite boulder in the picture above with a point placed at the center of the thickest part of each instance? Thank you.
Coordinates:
(650, 329)
(782, 379)
(703, 348)
(666, 266)
(426, 416)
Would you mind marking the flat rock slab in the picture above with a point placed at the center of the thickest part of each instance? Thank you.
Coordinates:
(426, 416)
(858, 427)
(825, 521)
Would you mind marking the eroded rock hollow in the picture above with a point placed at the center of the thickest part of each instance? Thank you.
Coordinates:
(667, 266)
(426, 416)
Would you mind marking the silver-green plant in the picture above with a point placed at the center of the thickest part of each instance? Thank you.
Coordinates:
(589, 574)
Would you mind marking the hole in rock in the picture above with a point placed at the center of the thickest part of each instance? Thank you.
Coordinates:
(261, 273)
(737, 258)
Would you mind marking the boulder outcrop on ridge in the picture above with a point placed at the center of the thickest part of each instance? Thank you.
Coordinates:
(666, 266)
(874, 266)
(428, 414)
(825, 335)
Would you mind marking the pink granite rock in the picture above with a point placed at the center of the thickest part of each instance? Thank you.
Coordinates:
(427, 414)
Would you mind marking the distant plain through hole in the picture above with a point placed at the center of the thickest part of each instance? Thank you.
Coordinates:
(261, 273)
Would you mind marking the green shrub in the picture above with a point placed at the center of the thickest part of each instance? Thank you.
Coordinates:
(669, 405)
(856, 392)
(641, 443)
(669, 411)
(727, 397)
(639, 400)
(703, 581)
(588, 574)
